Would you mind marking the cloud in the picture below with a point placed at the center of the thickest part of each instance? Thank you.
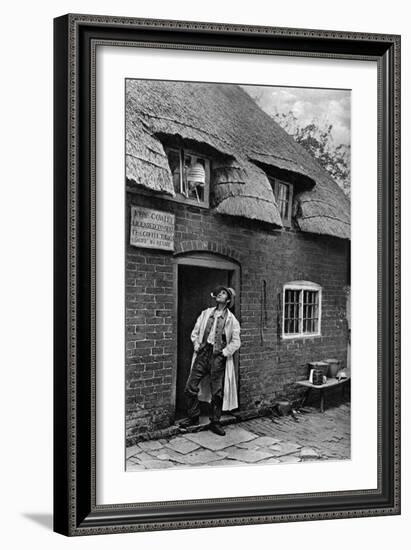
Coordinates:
(308, 105)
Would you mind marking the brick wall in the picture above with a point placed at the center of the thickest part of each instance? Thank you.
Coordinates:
(268, 365)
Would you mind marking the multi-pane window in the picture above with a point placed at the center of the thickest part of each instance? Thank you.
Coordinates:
(302, 309)
(310, 311)
(292, 311)
(283, 193)
(191, 175)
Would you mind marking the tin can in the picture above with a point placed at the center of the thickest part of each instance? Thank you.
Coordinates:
(318, 377)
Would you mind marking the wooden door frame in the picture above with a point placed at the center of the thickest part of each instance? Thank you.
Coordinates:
(210, 261)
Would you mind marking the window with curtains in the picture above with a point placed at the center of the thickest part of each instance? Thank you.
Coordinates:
(301, 309)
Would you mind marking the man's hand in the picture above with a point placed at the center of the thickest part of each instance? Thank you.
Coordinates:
(196, 346)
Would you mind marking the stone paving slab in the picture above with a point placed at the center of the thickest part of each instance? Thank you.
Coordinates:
(150, 445)
(226, 462)
(333, 456)
(154, 464)
(130, 451)
(260, 442)
(247, 455)
(266, 441)
(270, 461)
(133, 467)
(325, 437)
(214, 442)
(169, 454)
(285, 448)
(246, 445)
(132, 460)
(239, 447)
(290, 459)
(203, 456)
(182, 445)
(308, 453)
(142, 457)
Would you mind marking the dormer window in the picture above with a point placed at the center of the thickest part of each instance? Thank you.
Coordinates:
(283, 192)
(191, 175)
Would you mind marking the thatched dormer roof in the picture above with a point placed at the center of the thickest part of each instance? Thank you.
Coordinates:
(245, 144)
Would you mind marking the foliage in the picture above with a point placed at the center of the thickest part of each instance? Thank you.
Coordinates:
(317, 139)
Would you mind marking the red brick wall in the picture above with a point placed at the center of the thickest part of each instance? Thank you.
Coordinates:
(268, 365)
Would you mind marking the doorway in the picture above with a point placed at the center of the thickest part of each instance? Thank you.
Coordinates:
(197, 278)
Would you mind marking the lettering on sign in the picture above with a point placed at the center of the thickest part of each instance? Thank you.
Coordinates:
(151, 228)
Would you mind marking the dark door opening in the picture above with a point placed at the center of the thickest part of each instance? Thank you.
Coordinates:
(195, 285)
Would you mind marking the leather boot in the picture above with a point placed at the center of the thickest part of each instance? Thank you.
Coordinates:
(216, 428)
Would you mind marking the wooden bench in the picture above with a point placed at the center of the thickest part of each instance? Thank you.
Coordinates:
(331, 383)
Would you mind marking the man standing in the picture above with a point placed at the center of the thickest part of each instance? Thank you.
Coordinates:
(216, 337)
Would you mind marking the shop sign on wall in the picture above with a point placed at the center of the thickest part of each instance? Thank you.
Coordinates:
(151, 228)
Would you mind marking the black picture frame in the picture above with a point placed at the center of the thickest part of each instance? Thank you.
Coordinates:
(75, 40)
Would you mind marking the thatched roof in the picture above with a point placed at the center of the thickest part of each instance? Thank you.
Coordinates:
(244, 142)
(240, 188)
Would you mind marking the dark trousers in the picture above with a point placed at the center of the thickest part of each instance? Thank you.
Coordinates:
(213, 364)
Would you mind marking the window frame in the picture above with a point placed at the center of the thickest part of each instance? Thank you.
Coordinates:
(301, 286)
(275, 184)
(207, 166)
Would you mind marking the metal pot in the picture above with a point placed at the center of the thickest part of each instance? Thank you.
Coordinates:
(333, 367)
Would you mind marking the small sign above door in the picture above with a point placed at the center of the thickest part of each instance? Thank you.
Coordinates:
(151, 228)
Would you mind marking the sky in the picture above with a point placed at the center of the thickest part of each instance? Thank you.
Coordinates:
(308, 105)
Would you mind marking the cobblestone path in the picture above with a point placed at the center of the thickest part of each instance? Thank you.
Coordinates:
(316, 436)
